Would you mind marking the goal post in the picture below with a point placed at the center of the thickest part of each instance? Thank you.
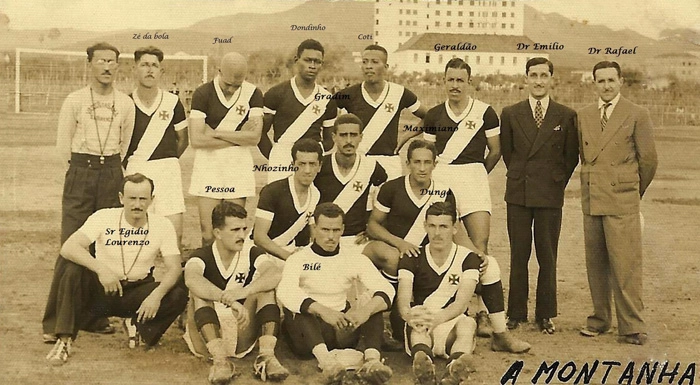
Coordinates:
(47, 76)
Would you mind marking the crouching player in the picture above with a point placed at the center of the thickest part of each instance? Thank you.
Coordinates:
(232, 299)
(433, 294)
(317, 316)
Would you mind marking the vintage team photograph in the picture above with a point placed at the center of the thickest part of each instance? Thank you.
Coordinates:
(349, 192)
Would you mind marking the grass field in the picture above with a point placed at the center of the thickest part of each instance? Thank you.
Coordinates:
(30, 192)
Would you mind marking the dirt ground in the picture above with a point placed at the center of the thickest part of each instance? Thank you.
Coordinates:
(30, 191)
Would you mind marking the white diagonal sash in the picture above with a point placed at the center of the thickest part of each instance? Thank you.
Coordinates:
(381, 118)
(464, 134)
(349, 194)
(307, 117)
(156, 128)
(288, 236)
(233, 119)
(446, 290)
(416, 233)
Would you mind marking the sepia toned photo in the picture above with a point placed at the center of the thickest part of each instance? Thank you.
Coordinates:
(349, 192)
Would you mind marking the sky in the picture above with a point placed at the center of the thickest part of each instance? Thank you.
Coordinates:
(647, 17)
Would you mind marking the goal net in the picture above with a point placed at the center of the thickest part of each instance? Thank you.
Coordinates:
(43, 78)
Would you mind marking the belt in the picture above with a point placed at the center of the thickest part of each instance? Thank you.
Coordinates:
(94, 161)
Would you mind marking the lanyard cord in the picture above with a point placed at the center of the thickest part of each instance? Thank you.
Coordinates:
(97, 128)
(121, 246)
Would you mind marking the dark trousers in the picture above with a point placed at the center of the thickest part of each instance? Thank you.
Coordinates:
(305, 331)
(89, 186)
(80, 293)
(546, 223)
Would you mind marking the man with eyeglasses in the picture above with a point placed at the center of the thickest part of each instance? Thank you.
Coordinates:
(94, 130)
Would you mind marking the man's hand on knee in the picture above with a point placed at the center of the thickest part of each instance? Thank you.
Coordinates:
(357, 316)
(110, 282)
(149, 307)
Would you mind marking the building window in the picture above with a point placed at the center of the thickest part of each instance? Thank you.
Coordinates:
(505, 3)
(494, 14)
(503, 26)
(415, 23)
(503, 14)
(448, 24)
(437, 23)
(470, 3)
(460, 13)
(512, 14)
(459, 25)
(512, 3)
(490, 59)
(415, 58)
(415, 12)
(415, 33)
(503, 60)
(400, 11)
(478, 60)
(427, 58)
(437, 13)
(461, 2)
(471, 14)
(400, 22)
(515, 60)
(449, 13)
(376, 33)
(471, 24)
(512, 26)
(377, 21)
(437, 2)
(408, 22)
(377, 11)
(415, 1)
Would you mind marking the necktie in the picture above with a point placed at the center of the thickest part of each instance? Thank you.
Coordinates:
(539, 116)
(604, 119)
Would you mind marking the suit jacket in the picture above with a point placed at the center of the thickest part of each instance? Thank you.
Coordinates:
(539, 161)
(618, 164)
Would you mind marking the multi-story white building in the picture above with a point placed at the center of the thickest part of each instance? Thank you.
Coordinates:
(485, 54)
(396, 21)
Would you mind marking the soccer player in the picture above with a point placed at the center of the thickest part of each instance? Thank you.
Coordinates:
(232, 284)
(396, 222)
(119, 281)
(160, 137)
(295, 109)
(434, 291)
(378, 103)
(462, 128)
(285, 206)
(313, 291)
(225, 121)
(94, 130)
(346, 177)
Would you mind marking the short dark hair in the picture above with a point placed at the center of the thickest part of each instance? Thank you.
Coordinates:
(459, 64)
(442, 208)
(537, 61)
(377, 47)
(101, 46)
(309, 44)
(307, 145)
(348, 119)
(150, 50)
(328, 210)
(137, 178)
(420, 143)
(607, 64)
(224, 210)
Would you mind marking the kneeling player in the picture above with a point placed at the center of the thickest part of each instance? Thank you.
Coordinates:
(232, 273)
(317, 316)
(434, 292)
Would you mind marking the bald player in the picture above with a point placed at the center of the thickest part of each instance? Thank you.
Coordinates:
(226, 120)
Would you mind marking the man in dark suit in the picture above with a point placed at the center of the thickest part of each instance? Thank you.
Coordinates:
(540, 149)
(618, 162)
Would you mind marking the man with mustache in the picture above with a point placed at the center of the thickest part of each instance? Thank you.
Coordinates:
(225, 122)
(295, 109)
(94, 131)
(160, 137)
(378, 103)
(233, 300)
(119, 280)
(618, 163)
(285, 206)
(317, 315)
(346, 177)
(433, 295)
(539, 142)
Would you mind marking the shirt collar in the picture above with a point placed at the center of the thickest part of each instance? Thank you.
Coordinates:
(613, 102)
(533, 103)
(319, 250)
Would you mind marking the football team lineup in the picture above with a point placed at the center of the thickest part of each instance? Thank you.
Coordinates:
(359, 207)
